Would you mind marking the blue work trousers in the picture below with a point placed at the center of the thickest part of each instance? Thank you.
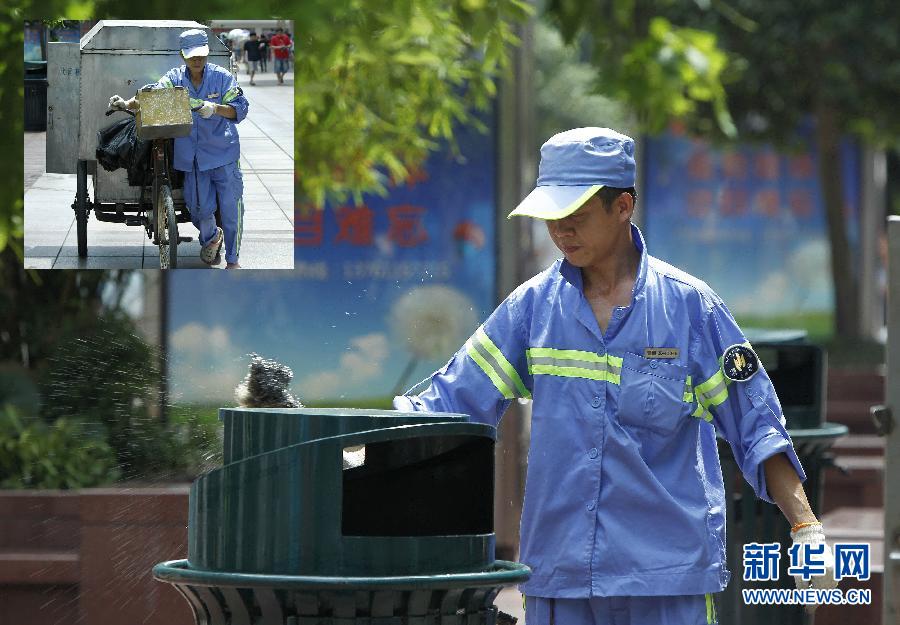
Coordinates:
(675, 610)
(202, 189)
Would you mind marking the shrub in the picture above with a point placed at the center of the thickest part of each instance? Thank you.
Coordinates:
(64, 455)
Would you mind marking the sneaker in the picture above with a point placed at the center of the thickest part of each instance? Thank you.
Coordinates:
(209, 251)
(234, 265)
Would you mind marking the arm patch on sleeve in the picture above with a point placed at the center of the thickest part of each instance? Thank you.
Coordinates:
(740, 363)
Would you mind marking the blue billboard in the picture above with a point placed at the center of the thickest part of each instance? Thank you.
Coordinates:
(750, 221)
(382, 293)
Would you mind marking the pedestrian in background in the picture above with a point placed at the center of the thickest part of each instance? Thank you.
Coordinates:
(290, 52)
(252, 55)
(633, 368)
(263, 52)
(281, 48)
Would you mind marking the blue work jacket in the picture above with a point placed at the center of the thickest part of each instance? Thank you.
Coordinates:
(624, 494)
(214, 142)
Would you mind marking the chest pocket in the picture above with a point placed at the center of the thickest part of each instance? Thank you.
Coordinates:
(652, 393)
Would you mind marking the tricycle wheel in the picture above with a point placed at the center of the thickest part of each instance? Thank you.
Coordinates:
(81, 209)
(167, 232)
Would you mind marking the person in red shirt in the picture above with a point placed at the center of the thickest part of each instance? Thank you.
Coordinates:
(281, 48)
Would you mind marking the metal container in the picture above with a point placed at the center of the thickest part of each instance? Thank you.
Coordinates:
(164, 113)
(117, 57)
(341, 517)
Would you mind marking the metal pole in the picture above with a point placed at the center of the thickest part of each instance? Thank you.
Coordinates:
(891, 610)
(871, 219)
(515, 175)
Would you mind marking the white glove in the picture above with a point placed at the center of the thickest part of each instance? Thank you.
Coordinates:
(206, 109)
(815, 535)
(117, 103)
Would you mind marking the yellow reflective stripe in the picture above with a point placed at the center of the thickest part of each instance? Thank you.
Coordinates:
(165, 81)
(688, 396)
(713, 391)
(571, 372)
(708, 610)
(719, 397)
(573, 363)
(702, 413)
(489, 370)
(566, 354)
(230, 95)
(711, 383)
(495, 365)
(510, 371)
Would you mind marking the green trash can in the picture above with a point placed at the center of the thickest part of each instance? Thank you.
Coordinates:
(798, 371)
(339, 516)
(35, 95)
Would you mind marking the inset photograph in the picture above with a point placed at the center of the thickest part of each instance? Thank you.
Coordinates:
(159, 144)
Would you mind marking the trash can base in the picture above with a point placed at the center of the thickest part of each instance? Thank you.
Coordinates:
(233, 598)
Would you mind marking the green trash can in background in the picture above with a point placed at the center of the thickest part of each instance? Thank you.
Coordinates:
(798, 370)
(36, 95)
(339, 516)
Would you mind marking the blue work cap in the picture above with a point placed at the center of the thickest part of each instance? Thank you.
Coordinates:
(194, 43)
(575, 164)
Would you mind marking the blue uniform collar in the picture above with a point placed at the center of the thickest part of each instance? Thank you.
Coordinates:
(641, 279)
(573, 276)
(186, 73)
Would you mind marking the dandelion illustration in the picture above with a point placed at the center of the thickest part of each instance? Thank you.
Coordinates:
(431, 322)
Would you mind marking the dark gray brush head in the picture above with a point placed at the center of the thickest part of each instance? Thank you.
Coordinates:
(266, 385)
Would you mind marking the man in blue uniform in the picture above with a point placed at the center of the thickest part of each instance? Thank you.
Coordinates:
(210, 155)
(632, 366)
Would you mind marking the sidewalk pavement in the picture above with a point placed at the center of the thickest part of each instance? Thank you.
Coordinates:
(267, 163)
(510, 601)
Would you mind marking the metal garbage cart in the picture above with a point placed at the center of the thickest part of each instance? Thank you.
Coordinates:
(117, 57)
(341, 516)
(798, 371)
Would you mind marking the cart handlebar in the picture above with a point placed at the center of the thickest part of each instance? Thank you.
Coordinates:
(110, 111)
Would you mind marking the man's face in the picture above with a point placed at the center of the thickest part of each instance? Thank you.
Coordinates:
(589, 234)
(196, 64)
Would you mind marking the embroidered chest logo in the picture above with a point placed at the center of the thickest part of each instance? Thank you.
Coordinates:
(213, 95)
(661, 352)
(739, 363)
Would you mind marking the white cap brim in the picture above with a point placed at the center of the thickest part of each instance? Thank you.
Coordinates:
(198, 51)
(554, 202)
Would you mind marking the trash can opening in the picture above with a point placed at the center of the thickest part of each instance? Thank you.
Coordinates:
(796, 371)
(429, 486)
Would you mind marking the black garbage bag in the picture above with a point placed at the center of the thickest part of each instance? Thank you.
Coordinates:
(118, 146)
